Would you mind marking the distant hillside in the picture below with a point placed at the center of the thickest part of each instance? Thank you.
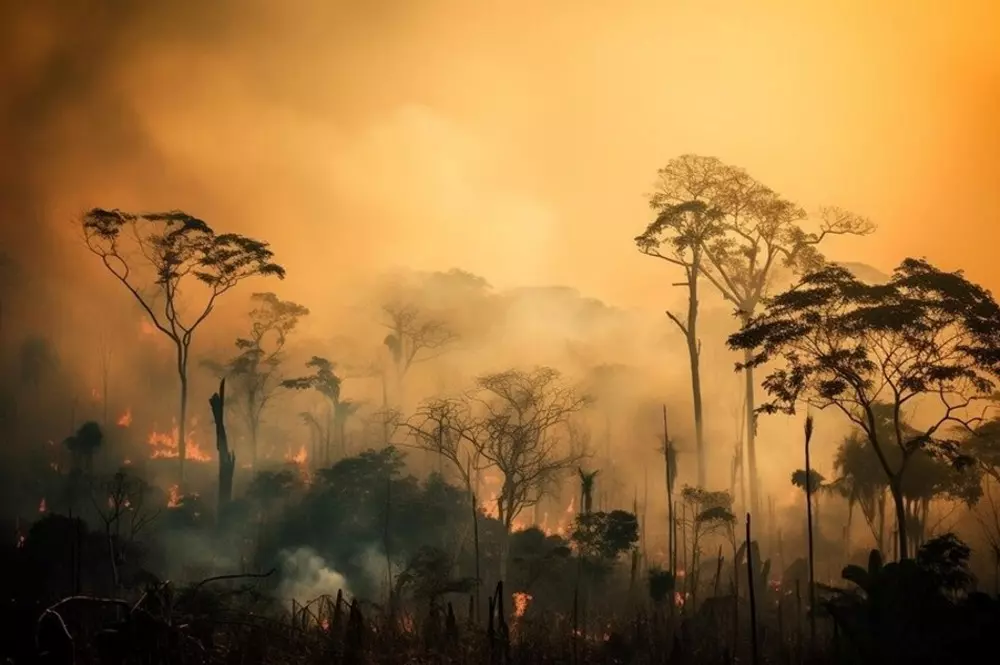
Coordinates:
(865, 272)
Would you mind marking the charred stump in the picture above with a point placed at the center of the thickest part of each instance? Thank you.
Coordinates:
(227, 458)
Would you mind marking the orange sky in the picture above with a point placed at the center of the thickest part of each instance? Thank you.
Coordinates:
(516, 139)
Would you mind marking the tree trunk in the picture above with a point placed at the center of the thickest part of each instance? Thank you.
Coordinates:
(182, 426)
(253, 444)
(227, 459)
(690, 330)
(895, 486)
(751, 452)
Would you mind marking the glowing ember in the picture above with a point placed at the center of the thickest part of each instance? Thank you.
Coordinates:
(42, 506)
(325, 624)
(125, 419)
(147, 328)
(173, 496)
(521, 602)
(165, 445)
(298, 458)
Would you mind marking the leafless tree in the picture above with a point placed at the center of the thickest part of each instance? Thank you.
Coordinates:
(158, 257)
(448, 428)
(522, 413)
(120, 503)
(414, 336)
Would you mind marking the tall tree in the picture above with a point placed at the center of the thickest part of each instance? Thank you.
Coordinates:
(926, 335)
(414, 336)
(158, 257)
(755, 233)
(327, 383)
(254, 373)
(685, 223)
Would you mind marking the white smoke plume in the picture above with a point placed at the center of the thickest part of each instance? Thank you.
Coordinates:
(305, 576)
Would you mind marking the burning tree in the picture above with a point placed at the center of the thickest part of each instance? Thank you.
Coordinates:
(520, 412)
(924, 335)
(254, 373)
(181, 251)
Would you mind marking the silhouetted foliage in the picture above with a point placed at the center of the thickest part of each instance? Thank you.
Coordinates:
(852, 346)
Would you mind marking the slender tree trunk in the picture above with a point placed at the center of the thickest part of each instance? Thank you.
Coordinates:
(809, 533)
(751, 441)
(895, 487)
(690, 330)
(671, 522)
(253, 443)
(182, 423)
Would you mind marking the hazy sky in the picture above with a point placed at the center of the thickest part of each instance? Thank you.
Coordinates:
(513, 139)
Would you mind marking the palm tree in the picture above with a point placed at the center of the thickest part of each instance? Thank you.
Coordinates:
(586, 490)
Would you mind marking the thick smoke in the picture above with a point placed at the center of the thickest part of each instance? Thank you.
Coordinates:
(306, 576)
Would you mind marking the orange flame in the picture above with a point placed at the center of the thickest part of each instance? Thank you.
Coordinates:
(165, 446)
(173, 496)
(42, 506)
(125, 419)
(521, 602)
(298, 458)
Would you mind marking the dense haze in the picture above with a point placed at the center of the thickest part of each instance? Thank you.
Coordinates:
(515, 141)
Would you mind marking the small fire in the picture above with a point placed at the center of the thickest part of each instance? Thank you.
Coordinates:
(42, 506)
(165, 445)
(298, 458)
(173, 496)
(521, 602)
(125, 419)
(325, 624)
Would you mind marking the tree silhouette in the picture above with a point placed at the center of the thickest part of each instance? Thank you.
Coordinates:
(521, 411)
(755, 232)
(254, 373)
(683, 226)
(587, 490)
(925, 334)
(181, 251)
(414, 336)
(84, 444)
(327, 383)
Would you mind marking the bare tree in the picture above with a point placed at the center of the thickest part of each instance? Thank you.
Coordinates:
(414, 336)
(755, 233)
(120, 502)
(449, 429)
(181, 251)
(254, 374)
(521, 413)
